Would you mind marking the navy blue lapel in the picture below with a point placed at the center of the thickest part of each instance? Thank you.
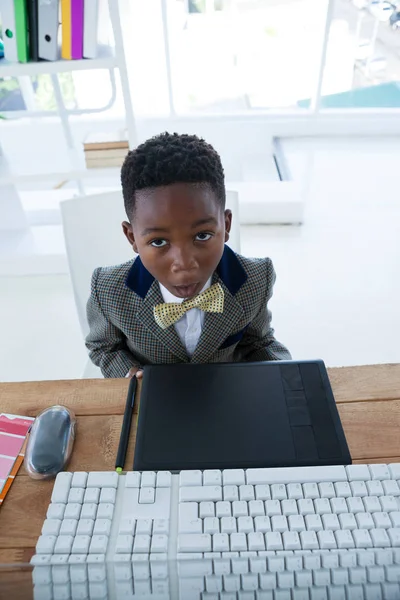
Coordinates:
(229, 270)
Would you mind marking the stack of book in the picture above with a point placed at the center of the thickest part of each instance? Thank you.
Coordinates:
(103, 150)
(30, 29)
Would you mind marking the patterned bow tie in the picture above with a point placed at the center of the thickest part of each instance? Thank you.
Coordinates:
(211, 300)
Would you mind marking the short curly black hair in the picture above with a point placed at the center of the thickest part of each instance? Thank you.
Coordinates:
(171, 158)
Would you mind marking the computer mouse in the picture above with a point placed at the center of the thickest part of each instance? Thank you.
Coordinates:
(50, 443)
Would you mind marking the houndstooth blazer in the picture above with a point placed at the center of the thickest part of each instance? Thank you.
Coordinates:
(123, 332)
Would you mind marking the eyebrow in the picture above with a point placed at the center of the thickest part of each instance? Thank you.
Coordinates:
(205, 221)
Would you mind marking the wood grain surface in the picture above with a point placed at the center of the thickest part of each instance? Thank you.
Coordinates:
(368, 399)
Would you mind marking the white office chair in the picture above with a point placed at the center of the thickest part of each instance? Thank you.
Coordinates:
(94, 238)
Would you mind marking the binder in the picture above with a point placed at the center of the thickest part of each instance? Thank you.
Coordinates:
(33, 29)
(66, 29)
(21, 30)
(48, 29)
(9, 30)
(90, 27)
(77, 29)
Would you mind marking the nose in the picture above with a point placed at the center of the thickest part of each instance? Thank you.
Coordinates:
(183, 259)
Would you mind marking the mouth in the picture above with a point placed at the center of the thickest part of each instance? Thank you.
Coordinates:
(187, 291)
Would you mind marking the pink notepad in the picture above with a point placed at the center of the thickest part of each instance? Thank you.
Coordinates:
(13, 432)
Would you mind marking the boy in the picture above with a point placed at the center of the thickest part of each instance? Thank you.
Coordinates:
(187, 297)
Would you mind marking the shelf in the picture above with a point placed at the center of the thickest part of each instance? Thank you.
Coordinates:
(105, 60)
(14, 179)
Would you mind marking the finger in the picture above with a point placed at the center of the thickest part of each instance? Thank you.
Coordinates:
(139, 374)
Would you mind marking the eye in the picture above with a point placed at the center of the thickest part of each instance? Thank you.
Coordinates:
(158, 243)
(203, 237)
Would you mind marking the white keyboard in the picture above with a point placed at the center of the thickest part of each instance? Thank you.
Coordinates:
(267, 533)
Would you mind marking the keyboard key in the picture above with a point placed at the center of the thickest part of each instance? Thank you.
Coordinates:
(245, 524)
(105, 511)
(146, 495)
(279, 523)
(190, 478)
(278, 491)
(273, 540)
(263, 492)
(358, 488)
(327, 540)
(326, 490)
(161, 526)
(68, 527)
(381, 520)
(148, 479)
(256, 508)
(394, 536)
(342, 489)
(255, 541)
(372, 504)
(207, 509)
(211, 525)
(262, 524)
(338, 505)
(323, 506)
(306, 506)
(294, 491)
(362, 538)
(51, 526)
(313, 522)
(56, 510)
(358, 472)
(72, 511)
(391, 487)
(220, 542)
(79, 479)
(212, 477)
(296, 523)
(272, 507)
(347, 520)
(108, 495)
(230, 493)
(355, 505)
(126, 525)
(228, 525)
(132, 479)
(388, 503)
(364, 521)
(192, 542)
(85, 527)
(63, 544)
(380, 538)
(240, 508)
(379, 472)
(99, 543)
(246, 492)
(102, 479)
(330, 522)
(91, 496)
(144, 526)
(164, 479)
(89, 511)
(233, 477)
(291, 540)
(61, 487)
(223, 509)
(374, 488)
(395, 518)
(200, 494)
(103, 527)
(296, 474)
(309, 540)
(310, 490)
(81, 544)
(344, 539)
(289, 507)
(45, 544)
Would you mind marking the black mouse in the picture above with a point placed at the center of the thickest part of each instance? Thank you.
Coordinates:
(50, 443)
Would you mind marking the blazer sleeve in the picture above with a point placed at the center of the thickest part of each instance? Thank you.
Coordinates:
(105, 342)
(258, 342)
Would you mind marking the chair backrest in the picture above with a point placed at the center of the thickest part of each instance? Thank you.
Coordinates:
(93, 238)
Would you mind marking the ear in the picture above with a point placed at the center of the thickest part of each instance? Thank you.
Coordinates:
(128, 232)
(228, 223)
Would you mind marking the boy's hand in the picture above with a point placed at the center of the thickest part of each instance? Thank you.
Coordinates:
(135, 371)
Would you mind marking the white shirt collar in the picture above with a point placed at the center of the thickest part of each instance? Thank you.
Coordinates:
(168, 297)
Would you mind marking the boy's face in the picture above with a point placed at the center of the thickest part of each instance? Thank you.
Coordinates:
(179, 232)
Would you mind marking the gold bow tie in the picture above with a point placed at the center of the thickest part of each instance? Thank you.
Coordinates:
(211, 300)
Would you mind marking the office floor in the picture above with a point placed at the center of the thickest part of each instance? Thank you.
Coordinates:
(338, 285)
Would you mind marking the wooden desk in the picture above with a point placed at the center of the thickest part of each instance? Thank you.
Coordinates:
(369, 404)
